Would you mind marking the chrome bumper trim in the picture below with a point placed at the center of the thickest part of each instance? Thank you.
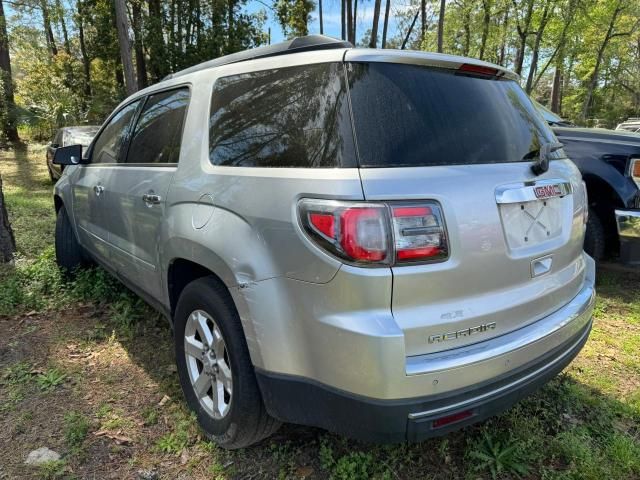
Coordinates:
(628, 222)
(560, 325)
(509, 386)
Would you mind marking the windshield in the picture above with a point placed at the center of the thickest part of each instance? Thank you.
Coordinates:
(406, 115)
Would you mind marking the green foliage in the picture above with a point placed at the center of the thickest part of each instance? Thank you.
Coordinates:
(52, 470)
(499, 459)
(50, 379)
(76, 428)
(294, 16)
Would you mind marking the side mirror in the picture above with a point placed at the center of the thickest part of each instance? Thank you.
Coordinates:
(71, 155)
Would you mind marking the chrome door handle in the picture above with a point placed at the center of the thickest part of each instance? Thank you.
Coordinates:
(151, 199)
(98, 189)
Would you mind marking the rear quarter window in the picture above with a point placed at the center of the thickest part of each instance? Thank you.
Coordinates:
(288, 117)
(407, 115)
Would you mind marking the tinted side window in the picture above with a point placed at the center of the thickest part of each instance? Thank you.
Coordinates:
(289, 117)
(109, 143)
(408, 115)
(158, 132)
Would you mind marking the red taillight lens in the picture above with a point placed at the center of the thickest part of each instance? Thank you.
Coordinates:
(419, 233)
(376, 233)
(324, 223)
(356, 232)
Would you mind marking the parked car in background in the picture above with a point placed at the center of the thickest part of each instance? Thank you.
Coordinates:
(609, 161)
(630, 125)
(80, 135)
(383, 243)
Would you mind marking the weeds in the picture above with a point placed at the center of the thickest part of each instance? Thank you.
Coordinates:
(52, 470)
(498, 458)
(76, 428)
(50, 379)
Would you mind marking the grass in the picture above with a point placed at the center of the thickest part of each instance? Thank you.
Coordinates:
(84, 366)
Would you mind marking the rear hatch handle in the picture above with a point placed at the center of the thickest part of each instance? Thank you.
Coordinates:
(541, 165)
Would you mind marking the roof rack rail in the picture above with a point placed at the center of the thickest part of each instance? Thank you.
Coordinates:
(298, 44)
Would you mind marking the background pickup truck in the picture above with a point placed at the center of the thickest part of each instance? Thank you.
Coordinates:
(610, 164)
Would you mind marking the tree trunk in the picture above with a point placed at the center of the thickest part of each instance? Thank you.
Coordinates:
(343, 26)
(7, 240)
(441, 25)
(386, 24)
(423, 19)
(593, 80)
(63, 26)
(155, 41)
(536, 47)
(523, 32)
(467, 33)
(122, 25)
(556, 89)
(355, 21)
(486, 18)
(9, 128)
(350, 21)
(86, 62)
(374, 29)
(141, 65)
(320, 17)
(48, 31)
(503, 45)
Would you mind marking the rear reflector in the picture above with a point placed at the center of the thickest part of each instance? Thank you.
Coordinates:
(478, 69)
(454, 418)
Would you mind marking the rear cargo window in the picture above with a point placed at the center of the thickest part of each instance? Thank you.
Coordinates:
(406, 116)
(288, 117)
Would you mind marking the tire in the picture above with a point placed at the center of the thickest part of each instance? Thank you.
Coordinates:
(595, 239)
(51, 176)
(69, 253)
(240, 418)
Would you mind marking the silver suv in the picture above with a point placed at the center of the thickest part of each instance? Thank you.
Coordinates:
(384, 244)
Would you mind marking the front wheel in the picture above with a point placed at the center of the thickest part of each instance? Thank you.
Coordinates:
(215, 369)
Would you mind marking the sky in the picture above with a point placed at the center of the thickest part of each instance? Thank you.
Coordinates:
(331, 16)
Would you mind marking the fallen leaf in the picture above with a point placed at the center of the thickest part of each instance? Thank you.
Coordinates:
(304, 471)
(164, 400)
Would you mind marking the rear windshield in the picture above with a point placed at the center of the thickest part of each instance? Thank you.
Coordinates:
(406, 116)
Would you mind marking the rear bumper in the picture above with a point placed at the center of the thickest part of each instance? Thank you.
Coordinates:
(628, 222)
(305, 402)
(481, 380)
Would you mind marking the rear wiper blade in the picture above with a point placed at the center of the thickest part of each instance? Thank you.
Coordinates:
(541, 165)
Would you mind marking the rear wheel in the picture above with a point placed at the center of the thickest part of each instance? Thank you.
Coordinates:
(594, 239)
(69, 253)
(215, 370)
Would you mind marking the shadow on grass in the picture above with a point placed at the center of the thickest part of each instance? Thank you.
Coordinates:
(567, 429)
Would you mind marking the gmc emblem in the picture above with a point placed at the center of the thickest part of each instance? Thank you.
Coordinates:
(547, 191)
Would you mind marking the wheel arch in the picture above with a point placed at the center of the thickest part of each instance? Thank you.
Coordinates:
(183, 270)
(604, 199)
(57, 202)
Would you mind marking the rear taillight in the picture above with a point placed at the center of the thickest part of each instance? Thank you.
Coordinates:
(373, 234)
